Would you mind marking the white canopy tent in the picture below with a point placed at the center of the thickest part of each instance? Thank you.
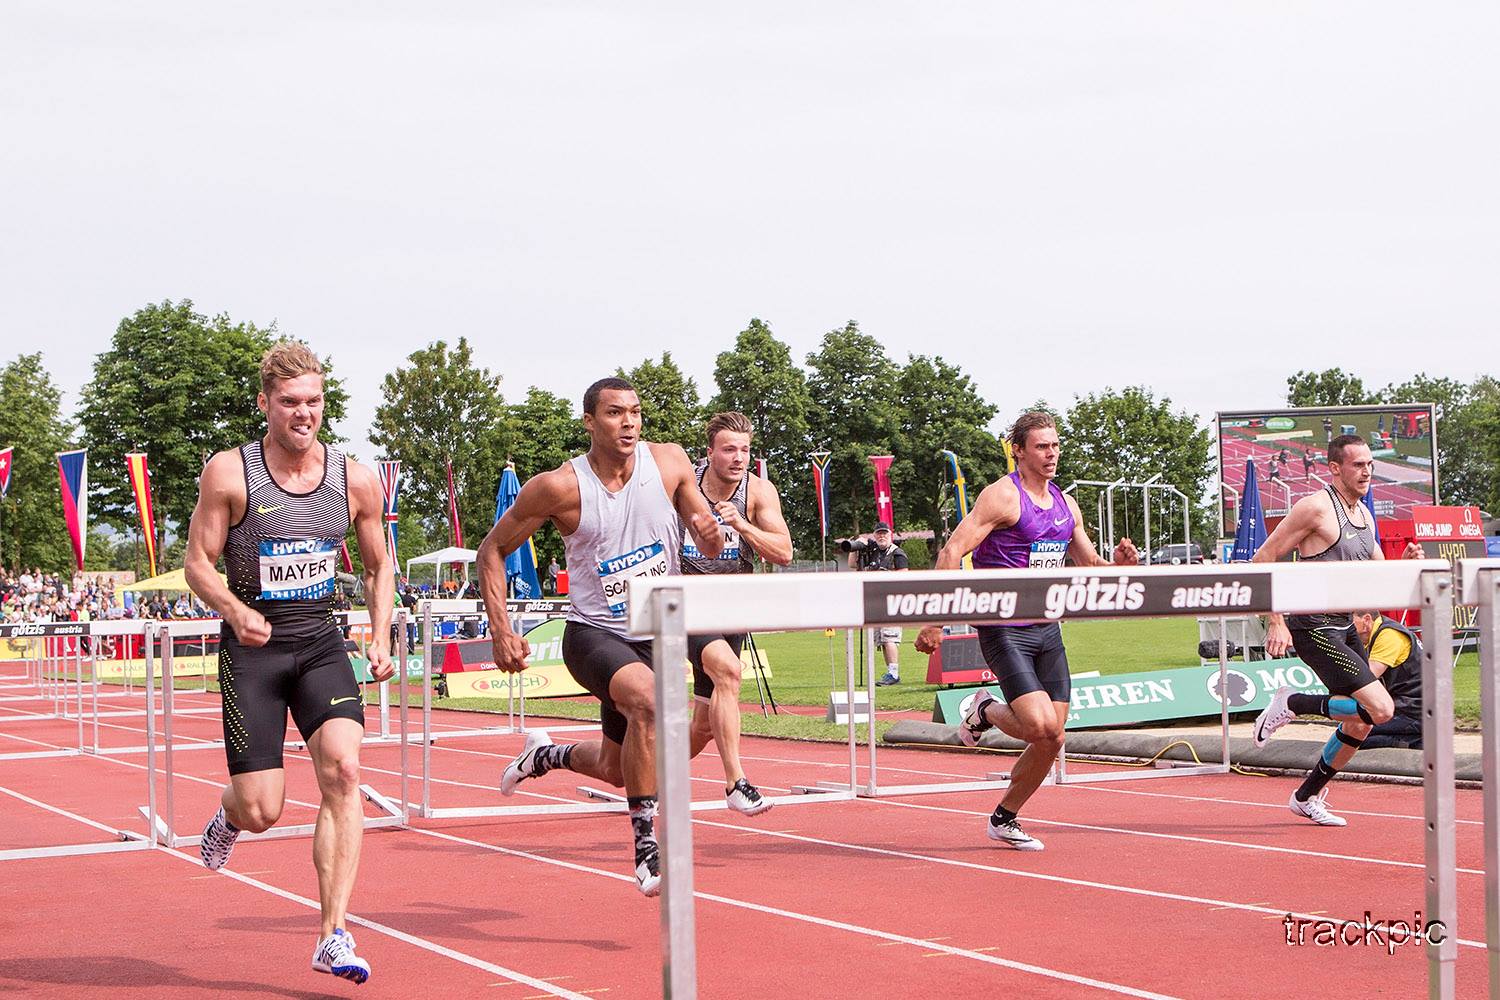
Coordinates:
(441, 558)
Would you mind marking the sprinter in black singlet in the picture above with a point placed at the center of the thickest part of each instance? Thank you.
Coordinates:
(278, 510)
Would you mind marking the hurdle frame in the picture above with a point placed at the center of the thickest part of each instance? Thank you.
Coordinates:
(676, 607)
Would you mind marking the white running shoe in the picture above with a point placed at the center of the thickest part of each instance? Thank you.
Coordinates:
(974, 723)
(648, 874)
(1316, 809)
(218, 841)
(746, 798)
(1273, 717)
(1011, 835)
(524, 766)
(335, 956)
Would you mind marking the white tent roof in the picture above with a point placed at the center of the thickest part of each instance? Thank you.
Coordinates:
(449, 555)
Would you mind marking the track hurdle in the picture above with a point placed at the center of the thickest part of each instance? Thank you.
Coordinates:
(672, 608)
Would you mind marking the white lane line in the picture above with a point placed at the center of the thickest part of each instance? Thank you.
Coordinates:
(1038, 876)
(839, 925)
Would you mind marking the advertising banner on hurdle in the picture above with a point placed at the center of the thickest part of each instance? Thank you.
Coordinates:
(469, 668)
(1157, 695)
(893, 602)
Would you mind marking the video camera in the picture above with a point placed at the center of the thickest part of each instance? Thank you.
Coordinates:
(853, 544)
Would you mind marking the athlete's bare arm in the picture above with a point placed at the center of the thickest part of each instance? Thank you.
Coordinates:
(1308, 520)
(997, 506)
(366, 506)
(221, 503)
(681, 483)
(765, 529)
(1082, 550)
(546, 496)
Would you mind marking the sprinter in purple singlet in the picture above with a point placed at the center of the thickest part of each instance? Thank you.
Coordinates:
(1023, 520)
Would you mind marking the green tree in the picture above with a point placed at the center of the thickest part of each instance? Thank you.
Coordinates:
(759, 379)
(1132, 435)
(32, 531)
(549, 432)
(1332, 387)
(179, 387)
(670, 408)
(857, 416)
(939, 408)
(1482, 419)
(439, 407)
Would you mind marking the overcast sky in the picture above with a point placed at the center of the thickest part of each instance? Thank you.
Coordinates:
(1200, 197)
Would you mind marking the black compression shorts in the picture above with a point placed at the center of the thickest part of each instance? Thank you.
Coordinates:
(311, 677)
(593, 656)
(1027, 658)
(703, 685)
(1336, 655)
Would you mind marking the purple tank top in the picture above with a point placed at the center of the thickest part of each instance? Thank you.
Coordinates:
(1039, 538)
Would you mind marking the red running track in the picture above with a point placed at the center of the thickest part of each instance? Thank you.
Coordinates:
(1156, 888)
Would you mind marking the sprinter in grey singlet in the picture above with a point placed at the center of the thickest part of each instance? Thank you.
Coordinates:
(1331, 525)
(617, 509)
(278, 510)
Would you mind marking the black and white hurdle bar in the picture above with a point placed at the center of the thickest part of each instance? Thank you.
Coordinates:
(672, 608)
(598, 800)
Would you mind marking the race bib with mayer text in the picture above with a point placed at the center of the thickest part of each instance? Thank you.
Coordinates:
(1047, 555)
(297, 569)
(616, 572)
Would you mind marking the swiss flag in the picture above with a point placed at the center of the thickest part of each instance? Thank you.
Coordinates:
(884, 512)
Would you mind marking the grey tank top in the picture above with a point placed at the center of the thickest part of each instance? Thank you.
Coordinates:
(737, 557)
(281, 557)
(620, 536)
(1355, 543)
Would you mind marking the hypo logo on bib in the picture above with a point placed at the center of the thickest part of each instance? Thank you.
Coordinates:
(1047, 555)
(616, 572)
(729, 553)
(297, 570)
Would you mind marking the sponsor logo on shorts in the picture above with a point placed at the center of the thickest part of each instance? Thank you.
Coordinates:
(340, 701)
(1051, 599)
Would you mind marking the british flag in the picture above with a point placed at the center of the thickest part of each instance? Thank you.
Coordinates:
(390, 489)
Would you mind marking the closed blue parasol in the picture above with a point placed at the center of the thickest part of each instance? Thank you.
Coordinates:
(520, 566)
(1251, 534)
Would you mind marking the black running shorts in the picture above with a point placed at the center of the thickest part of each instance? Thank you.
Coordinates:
(311, 677)
(593, 656)
(703, 685)
(1336, 655)
(1027, 658)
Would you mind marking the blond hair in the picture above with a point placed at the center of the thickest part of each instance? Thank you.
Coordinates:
(1027, 422)
(729, 420)
(287, 359)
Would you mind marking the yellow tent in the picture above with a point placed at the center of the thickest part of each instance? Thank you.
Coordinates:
(174, 582)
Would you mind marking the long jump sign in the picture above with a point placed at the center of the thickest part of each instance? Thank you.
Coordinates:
(890, 601)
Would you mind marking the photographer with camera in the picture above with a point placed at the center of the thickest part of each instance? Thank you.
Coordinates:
(880, 553)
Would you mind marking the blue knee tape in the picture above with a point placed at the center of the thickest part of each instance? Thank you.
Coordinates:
(1342, 705)
(1331, 748)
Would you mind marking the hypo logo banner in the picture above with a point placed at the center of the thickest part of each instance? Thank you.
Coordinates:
(1109, 595)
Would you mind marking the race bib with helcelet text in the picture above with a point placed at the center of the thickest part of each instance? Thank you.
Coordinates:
(729, 553)
(297, 569)
(616, 572)
(1047, 555)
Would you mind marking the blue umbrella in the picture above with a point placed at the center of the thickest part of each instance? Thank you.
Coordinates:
(520, 566)
(1369, 502)
(1251, 534)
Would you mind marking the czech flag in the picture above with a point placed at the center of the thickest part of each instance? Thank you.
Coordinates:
(140, 487)
(73, 474)
(820, 460)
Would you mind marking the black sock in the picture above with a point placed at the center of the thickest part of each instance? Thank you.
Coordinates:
(1308, 704)
(1315, 781)
(1002, 816)
(548, 758)
(643, 823)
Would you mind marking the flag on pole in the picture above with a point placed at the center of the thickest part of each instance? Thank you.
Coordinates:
(1010, 456)
(1369, 502)
(820, 461)
(761, 469)
(520, 566)
(458, 531)
(5, 457)
(140, 487)
(73, 476)
(884, 512)
(390, 488)
(960, 486)
(347, 560)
